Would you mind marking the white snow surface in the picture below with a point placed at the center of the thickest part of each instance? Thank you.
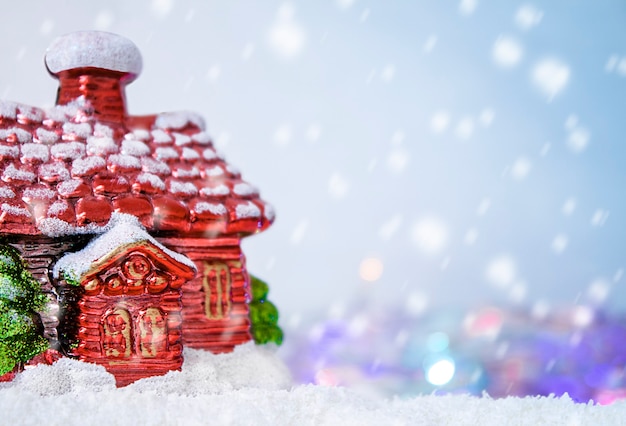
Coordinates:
(252, 386)
(79, 130)
(151, 165)
(244, 189)
(182, 173)
(183, 188)
(46, 136)
(35, 152)
(216, 191)
(178, 120)
(93, 49)
(83, 166)
(122, 229)
(216, 209)
(9, 151)
(190, 154)
(201, 137)
(22, 135)
(249, 209)
(6, 192)
(154, 180)
(11, 173)
(135, 147)
(8, 109)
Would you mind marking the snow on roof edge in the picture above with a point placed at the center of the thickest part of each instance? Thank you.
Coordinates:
(122, 229)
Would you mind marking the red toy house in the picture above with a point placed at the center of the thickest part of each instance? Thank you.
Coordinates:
(68, 171)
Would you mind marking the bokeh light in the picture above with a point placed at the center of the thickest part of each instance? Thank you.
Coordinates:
(371, 269)
(440, 372)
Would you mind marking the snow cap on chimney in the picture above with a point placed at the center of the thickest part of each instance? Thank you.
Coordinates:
(93, 49)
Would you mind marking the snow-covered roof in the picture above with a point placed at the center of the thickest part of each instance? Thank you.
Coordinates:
(122, 230)
(64, 172)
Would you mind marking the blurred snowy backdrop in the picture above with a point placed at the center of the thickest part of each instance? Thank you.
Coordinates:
(422, 153)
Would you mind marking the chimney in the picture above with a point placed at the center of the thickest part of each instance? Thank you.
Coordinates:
(96, 65)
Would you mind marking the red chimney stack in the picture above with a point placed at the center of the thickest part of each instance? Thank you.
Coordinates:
(96, 66)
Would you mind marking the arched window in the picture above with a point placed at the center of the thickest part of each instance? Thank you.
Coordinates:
(117, 341)
(216, 285)
(152, 333)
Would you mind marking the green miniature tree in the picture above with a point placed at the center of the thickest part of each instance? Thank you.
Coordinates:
(20, 300)
(263, 315)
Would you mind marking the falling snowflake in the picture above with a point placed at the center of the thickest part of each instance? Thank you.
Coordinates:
(582, 316)
(528, 16)
(416, 303)
(550, 76)
(282, 135)
(344, 4)
(299, 231)
(430, 43)
(599, 217)
(559, 243)
(578, 139)
(518, 292)
(364, 15)
(430, 235)
(615, 63)
(388, 73)
(214, 73)
(540, 309)
(501, 271)
(398, 137)
(598, 290)
(465, 128)
(390, 227)
(467, 7)
(486, 117)
(471, 236)
(569, 206)
(621, 67)
(484, 205)
(397, 160)
(104, 20)
(162, 8)
(338, 186)
(46, 27)
(571, 122)
(520, 169)
(507, 52)
(313, 132)
(286, 37)
(247, 51)
(439, 121)
(223, 139)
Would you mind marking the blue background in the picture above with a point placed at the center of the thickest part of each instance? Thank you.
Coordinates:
(327, 107)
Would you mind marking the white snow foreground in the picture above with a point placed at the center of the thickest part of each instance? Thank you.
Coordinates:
(251, 386)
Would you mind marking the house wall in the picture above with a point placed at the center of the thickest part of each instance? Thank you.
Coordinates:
(130, 359)
(215, 302)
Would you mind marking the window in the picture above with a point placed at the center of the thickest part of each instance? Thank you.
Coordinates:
(152, 333)
(117, 334)
(216, 285)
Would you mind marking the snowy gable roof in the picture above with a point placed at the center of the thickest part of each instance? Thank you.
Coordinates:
(63, 172)
(122, 233)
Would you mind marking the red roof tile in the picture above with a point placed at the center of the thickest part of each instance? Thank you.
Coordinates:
(63, 172)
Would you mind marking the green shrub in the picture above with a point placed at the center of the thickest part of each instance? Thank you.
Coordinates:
(20, 300)
(263, 315)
